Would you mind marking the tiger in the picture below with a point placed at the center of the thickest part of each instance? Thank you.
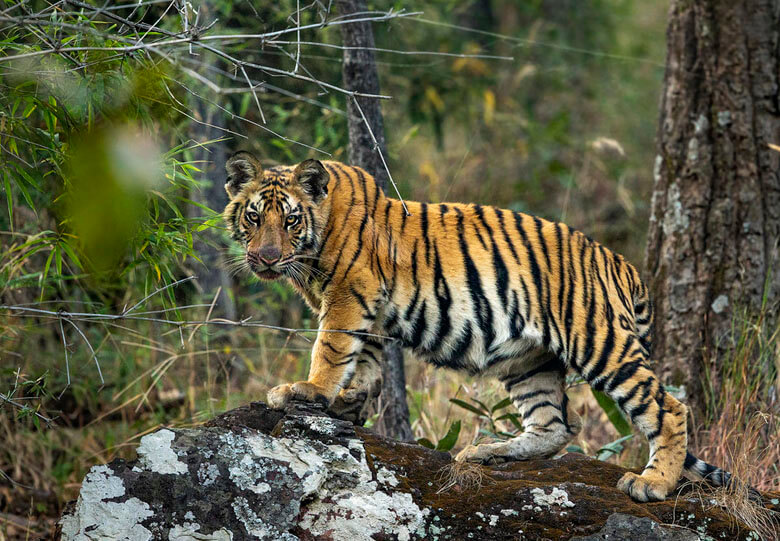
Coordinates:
(478, 289)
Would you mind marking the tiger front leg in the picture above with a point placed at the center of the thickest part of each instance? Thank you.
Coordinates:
(333, 361)
(355, 401)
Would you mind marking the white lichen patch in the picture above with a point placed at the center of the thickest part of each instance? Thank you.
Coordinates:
(557, 496)
(323, 425)
(361, 514)
(311, 464)
(720, 304)
(493, 520)
(207, 474)
(386, 477)
(675, 218)
(156, 455)
(189, 532)
(95, 518)
(509, 512)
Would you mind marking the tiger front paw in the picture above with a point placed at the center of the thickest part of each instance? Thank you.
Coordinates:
(281, 395)
(644, 489)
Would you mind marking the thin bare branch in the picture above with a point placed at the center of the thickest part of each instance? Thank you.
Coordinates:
(381, 156)
(156, 291)
(91, 349)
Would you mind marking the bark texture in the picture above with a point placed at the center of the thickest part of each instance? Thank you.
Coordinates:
(360, 75)
(715, 218)
(298, 475)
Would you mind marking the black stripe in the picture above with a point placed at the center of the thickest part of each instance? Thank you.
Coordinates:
(535, 270)
(542, 242)
(424, 229)
(454, 358)
(442, 210)
(543, 404)
(362, 300)
(419, 326)
(551, 365)
(481, 307)
(444, 300)
(500, 217)
(499, 267)
(360, 243)
(532, 394)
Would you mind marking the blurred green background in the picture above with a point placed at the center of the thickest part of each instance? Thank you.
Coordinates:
(112, 171)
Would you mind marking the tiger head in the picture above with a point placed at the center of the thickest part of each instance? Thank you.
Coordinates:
(278, 214)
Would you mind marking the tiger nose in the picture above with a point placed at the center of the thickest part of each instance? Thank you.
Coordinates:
(269, 254)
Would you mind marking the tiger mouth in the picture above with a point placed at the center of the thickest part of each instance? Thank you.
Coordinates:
(268, 274)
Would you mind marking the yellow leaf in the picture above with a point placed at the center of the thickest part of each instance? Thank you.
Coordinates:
(159, 276)
(774, 147)
(434, 98)
(428, 171)
(490, 107)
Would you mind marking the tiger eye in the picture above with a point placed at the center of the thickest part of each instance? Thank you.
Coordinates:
(292, 220)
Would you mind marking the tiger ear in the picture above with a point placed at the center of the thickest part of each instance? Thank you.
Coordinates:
(313, 177)
(241, 168)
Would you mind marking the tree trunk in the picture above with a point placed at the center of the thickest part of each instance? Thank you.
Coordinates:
(210, 160)
(715, 218)
(360, 75)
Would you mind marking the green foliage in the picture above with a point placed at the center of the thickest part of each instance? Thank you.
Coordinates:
(489, 414)
(613, 448)
(447, 442)
(614, 414)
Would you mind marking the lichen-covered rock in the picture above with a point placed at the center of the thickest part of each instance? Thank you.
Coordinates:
(255, 473)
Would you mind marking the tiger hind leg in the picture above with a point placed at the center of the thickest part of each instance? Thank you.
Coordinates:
(548, 420)
(658, 415)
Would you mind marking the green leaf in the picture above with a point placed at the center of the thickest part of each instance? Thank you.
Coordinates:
(573, 448)
(425, 442)
(467, 406)
(612, 448)
(501, 405)
(483, 406)
(9, 198)
(513, 418)
(613, 413)
(449, 440)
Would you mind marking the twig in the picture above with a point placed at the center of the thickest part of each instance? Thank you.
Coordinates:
(156, 291)
(392, 51)
(381, 156)
(22, 407)
(91, 349)
(103, 318)
(252, 88)
(67, 360)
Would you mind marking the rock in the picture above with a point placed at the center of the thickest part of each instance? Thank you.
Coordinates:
(256, 473)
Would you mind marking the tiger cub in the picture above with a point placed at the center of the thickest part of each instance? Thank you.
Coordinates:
(479, 289)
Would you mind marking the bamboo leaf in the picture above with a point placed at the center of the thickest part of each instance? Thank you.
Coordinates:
(501, 405)
(467, 406)
(449, 440)
(613, 413)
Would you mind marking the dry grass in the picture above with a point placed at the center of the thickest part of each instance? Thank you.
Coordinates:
(739, 499)
(743, 423)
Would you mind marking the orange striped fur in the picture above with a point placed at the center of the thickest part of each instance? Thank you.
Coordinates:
(479, 289)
